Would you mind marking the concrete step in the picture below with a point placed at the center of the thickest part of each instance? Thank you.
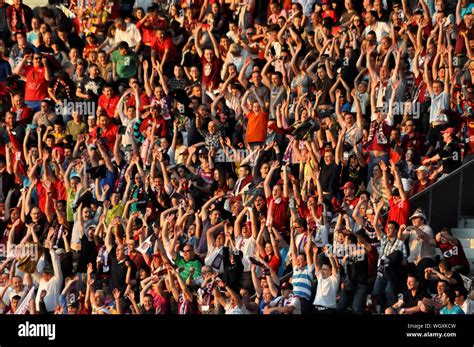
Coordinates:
(469, 253)
(463, 233)
(467, 243)
(466, 222)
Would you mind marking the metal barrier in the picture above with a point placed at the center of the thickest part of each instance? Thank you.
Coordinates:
(448, 199)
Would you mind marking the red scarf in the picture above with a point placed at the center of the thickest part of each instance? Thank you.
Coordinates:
(15, 20)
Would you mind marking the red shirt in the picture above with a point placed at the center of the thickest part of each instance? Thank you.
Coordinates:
(273, 262)
(374, 145)
(415, 141)
(256, 127)
(144, 101)
(109, 134)
(109, 104)
(418, 187)
(399, 212)
(161, 47)
(24, 115)
(148, 28)
(36, 88)
(210, 72)
(352, 203)
(470, 134)
(278, 212)
(454, 254)
(60, 190)
(161, 129)
(41, 192)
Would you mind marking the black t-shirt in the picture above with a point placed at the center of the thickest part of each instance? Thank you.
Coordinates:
(412, 301)
(88, 254)
(7, 181)
(118, 271)
(355, 175)
(192, 59)
(329, 177)
(66, 91)
(92, 87)
(324, 85)
(451, 157)
(348, 67)
(358, 271)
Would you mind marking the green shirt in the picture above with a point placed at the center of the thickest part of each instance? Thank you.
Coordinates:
(75, 129)
(126, 66)
(196, 264)
(70, 197)
(114, 211)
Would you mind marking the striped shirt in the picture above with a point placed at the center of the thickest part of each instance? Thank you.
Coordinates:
(302, 281)
(387, 247)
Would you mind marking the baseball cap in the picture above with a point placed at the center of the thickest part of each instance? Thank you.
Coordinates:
(449, 131)
(449, 20)
(202, 150)
(422, 168)
(348, 185)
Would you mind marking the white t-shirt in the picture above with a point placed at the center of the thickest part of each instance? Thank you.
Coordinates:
(233, 310)
(10, 293)
(247, 247)
(52, 287)
(326, 290)
(381, 30)
(212, 254)
(418, 248)
(292, 300)
(468, 307)
(438, 103)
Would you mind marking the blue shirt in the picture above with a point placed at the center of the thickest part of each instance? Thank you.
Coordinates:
(5, 69)
(302, 281)
(455, 310)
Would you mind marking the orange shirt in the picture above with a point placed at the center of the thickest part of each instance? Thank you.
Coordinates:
(256, 127)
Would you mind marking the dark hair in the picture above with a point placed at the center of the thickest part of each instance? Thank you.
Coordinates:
(446, 230)
(446, 283)
(373, 13)
(462, 291)
(123, 45)
(352, 238)
(415, 276)
(445, 264)
(394, 223)
(302, 222)
(278, 73)
(16, 297)
(450, 294)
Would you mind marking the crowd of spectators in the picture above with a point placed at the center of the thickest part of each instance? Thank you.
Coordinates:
(232, 157)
